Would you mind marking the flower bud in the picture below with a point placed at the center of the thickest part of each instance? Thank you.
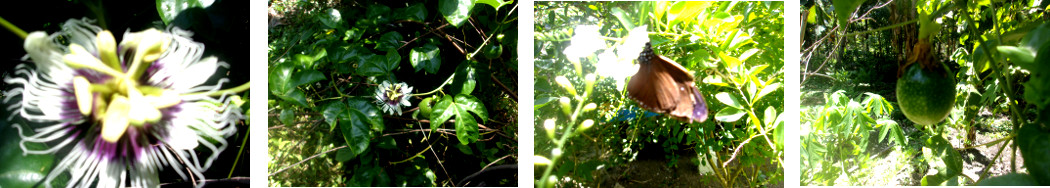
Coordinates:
(549, 126)
(540, 160)
(586, 124)
(564, 83)
(589, 107)
(565, 106)
(588, 83)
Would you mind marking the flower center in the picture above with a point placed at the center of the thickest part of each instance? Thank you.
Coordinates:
(393, 94)
(120, 100)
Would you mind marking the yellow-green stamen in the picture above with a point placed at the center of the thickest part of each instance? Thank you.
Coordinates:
(121, 101)
(81, 89)
(116, 120)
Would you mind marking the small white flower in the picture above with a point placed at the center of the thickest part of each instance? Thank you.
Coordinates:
(392, 96)
(122, 111)
(620, 65)
(584, 43)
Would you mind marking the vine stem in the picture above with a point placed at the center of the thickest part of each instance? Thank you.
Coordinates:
(414, 156)
(240, 151)
(237, 89)
(14, 29)
(439, 87)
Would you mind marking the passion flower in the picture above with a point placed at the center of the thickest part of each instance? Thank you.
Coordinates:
(123, 111)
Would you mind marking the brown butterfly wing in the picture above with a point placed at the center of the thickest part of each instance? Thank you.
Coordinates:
(651, 90)
(663, 86)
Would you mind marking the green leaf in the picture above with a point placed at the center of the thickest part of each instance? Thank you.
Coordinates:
(331, 18)
(1023, 56)
(460, 108)
(543, 101)
(368, 108)
(466, 127)
(729, 114)
(1011, 179)
(940, 153)
(389, 41)
(426, 57)
(766, 90)
(441, 112)
(344, 155)
(844, 10)
(287, 117)
(932, 180)
(281, 84)
(331, 113)
(387, 143)
(392, 60)
(356, 131)
(455, 11)
(296, 97)
(374, 66)
(494, 3)
(308, 76)
(414, 12)
(728, 100)
(279, 79)
(472, 104)
(29, 169)
(169, 9)
(464, 81)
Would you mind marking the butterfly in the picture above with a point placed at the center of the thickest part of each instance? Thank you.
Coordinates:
(663, 86)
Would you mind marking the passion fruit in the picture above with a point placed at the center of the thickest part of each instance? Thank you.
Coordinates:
(926, 96)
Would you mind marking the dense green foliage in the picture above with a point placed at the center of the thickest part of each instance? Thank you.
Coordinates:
(339, 116)
(590, 134)
(991, 50)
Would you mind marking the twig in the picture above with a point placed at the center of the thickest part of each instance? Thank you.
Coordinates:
(307, 159)
(738, 148)
(505, 89)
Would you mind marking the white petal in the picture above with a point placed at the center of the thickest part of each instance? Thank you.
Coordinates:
(182, 138)
(194, 75)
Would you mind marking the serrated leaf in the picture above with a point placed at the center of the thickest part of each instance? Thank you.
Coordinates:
(466, 127)
(455, 11)
(441, 112)
(472, 104)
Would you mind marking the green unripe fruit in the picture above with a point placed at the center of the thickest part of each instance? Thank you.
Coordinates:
(926, 96)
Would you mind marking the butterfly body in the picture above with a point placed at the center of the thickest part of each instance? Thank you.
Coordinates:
(663, 86)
